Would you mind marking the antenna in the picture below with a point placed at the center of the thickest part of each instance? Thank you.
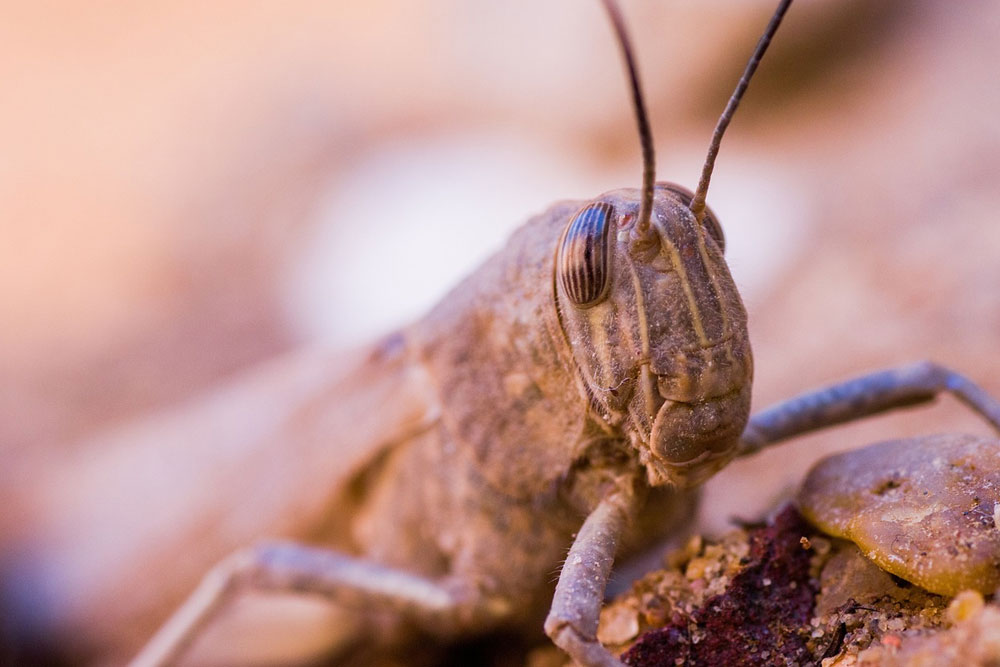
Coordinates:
(698, 201)
(645, 136)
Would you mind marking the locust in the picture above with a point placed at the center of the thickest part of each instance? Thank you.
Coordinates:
(569, 387)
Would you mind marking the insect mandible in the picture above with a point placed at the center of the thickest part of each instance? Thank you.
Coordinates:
(506, 415)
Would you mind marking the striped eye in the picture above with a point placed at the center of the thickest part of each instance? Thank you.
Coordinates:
(584, 256)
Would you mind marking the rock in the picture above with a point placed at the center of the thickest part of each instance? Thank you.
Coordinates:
(760, 618)
(780, 595)
(921, 508)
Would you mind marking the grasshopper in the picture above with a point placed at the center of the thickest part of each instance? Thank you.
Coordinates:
(598, 361)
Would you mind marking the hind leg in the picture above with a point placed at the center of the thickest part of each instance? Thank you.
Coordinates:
(439, 606)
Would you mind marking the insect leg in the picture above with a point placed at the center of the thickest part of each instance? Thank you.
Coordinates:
(576, 607)
(861, 397)
(296, 568)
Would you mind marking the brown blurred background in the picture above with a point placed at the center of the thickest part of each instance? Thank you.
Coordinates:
(189, 189)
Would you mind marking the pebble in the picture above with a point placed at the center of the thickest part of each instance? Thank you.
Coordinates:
(924, 509)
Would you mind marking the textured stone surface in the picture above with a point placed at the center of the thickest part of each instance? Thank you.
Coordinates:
(760, 617)
(921, 508)
(696, 609)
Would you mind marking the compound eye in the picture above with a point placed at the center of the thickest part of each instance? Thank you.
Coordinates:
(583, 262)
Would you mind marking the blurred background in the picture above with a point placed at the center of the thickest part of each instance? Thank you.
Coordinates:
(190, 190)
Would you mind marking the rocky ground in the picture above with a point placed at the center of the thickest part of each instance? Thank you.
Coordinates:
(890, 556)
(785, 594)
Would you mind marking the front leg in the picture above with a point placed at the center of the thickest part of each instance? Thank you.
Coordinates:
(576, 606)
(867, 395)
(443, 606)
